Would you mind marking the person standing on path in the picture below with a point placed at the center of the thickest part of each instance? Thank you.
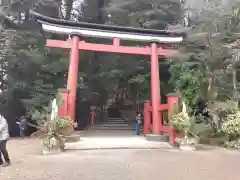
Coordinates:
(138, 124)
(22, 126)
(4, 136)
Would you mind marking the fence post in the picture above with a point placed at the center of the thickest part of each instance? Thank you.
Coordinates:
(146, 120)
(63, 110)
(172, 105)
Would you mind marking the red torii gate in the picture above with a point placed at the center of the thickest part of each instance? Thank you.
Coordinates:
(78, 29)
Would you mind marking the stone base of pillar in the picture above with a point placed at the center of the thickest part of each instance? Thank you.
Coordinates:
(72, 138)
(157, 137)
(67, 131)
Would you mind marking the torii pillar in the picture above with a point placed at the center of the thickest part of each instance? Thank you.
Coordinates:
(155, 91)
(72, 80)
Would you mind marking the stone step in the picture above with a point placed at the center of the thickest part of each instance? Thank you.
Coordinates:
(115, 120)
(115, 117)
(110, 125)
(111, 122)
(116, 124)
(112, 128)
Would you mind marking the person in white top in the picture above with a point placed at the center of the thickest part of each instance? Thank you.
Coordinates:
(4, 136)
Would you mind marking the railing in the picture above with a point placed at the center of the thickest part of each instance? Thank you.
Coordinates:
(172, 101)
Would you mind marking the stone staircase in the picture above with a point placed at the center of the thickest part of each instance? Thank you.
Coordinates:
(113, 124)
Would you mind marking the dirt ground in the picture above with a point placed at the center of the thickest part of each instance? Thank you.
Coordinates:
(119, 164)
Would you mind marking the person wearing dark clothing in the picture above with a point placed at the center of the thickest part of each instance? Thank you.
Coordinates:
(22, 126)
(4, 153)
(138, 123)
(4, 136)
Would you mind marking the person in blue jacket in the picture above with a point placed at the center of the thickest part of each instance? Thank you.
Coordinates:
(138, 123)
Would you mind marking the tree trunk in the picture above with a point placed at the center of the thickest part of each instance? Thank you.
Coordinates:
(235, 91)
(211, 92)
(68, 9)
(212, 95)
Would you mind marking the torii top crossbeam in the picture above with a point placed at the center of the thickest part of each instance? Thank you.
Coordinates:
(107, 31)
(117, 33)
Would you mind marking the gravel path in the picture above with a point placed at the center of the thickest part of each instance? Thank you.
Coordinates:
(128, 164)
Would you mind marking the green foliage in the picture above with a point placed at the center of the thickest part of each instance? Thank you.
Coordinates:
(210, 62)
(234, 144)
(231, 125)
(40, 115)
(34, 72)
(207, 50)
(188, 82)
(53, 128)
(182, 122)
(51, 143)
(60, 123)
(156, 14)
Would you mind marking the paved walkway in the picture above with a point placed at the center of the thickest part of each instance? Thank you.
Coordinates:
(114, 134)
(113, 139)
(128, 164)
(117, 163)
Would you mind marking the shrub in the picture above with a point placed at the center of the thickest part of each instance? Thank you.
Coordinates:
(182, 122)
(231, 125)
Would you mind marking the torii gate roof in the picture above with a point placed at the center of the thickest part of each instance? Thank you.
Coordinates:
(60, 26)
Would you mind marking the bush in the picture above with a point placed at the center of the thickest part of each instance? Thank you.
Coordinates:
(231, 125)
(182, 122)
(59, 123)
(235, 144)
